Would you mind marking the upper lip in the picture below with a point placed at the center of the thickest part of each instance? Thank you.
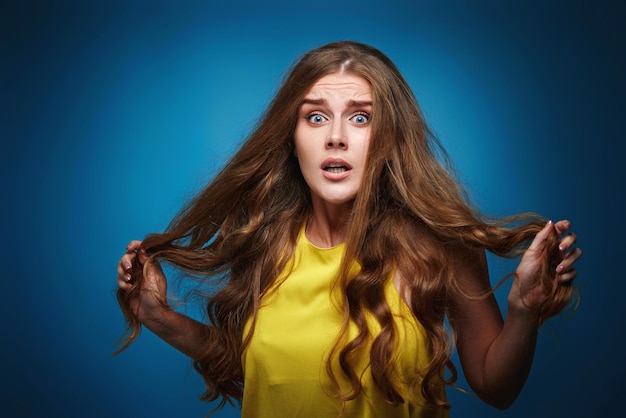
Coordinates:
(336, 161)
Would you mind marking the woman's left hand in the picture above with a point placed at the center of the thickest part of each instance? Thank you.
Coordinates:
(528, 291)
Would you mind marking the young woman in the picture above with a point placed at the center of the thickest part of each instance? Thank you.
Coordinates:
(340, 242)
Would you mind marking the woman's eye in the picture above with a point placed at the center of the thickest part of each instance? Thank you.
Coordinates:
(361, 118)
(316, 118)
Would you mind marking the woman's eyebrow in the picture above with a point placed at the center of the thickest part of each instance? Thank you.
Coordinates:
(314, 101)
(351, 103)
(359, 103)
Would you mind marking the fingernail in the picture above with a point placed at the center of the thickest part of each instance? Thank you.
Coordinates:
(127, 267)
(559, 268)
(127, 277)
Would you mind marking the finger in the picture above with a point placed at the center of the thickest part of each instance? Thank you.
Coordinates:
(539, 242)
(567, 241)
(133, 245)
(567, 276)
(569, 259)
(124, 274)
(128, 260)
(125, 265)
(124, 283)
(562, 226)
(142, 256)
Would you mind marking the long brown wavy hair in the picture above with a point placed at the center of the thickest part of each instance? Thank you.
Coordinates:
(411, 214)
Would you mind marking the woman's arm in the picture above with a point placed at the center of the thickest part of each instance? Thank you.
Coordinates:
(496, 355)
(151, 307)
(181, 332)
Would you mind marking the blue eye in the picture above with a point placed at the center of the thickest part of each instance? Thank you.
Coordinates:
(316, 118)
(361, 118)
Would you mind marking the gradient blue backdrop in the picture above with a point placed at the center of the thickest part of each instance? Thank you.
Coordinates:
(114, 113)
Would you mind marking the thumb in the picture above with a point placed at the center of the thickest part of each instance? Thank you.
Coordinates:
(142, 256)
(539, 242)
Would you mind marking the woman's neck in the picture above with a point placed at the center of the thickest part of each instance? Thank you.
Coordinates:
(327, 224)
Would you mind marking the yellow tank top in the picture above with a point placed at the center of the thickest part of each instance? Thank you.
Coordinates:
(297, 324)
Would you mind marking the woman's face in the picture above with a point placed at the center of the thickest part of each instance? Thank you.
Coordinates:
(332, 137)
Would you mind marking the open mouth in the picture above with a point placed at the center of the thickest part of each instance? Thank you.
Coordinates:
(336, 168)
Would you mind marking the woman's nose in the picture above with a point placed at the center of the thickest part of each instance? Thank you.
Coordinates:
(336, 137)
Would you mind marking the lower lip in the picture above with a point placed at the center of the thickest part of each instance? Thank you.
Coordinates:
(336, 176)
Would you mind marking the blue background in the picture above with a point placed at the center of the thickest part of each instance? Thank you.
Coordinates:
(114, 113)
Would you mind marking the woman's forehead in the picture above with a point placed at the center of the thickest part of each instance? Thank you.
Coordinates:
(345, 84)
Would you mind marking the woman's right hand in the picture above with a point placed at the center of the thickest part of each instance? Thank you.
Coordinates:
(151, 299)
(144, 301)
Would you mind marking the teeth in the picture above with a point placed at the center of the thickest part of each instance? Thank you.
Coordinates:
(338, 169)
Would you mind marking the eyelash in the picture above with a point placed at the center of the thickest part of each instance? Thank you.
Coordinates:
(366, 115)
(310, 117)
